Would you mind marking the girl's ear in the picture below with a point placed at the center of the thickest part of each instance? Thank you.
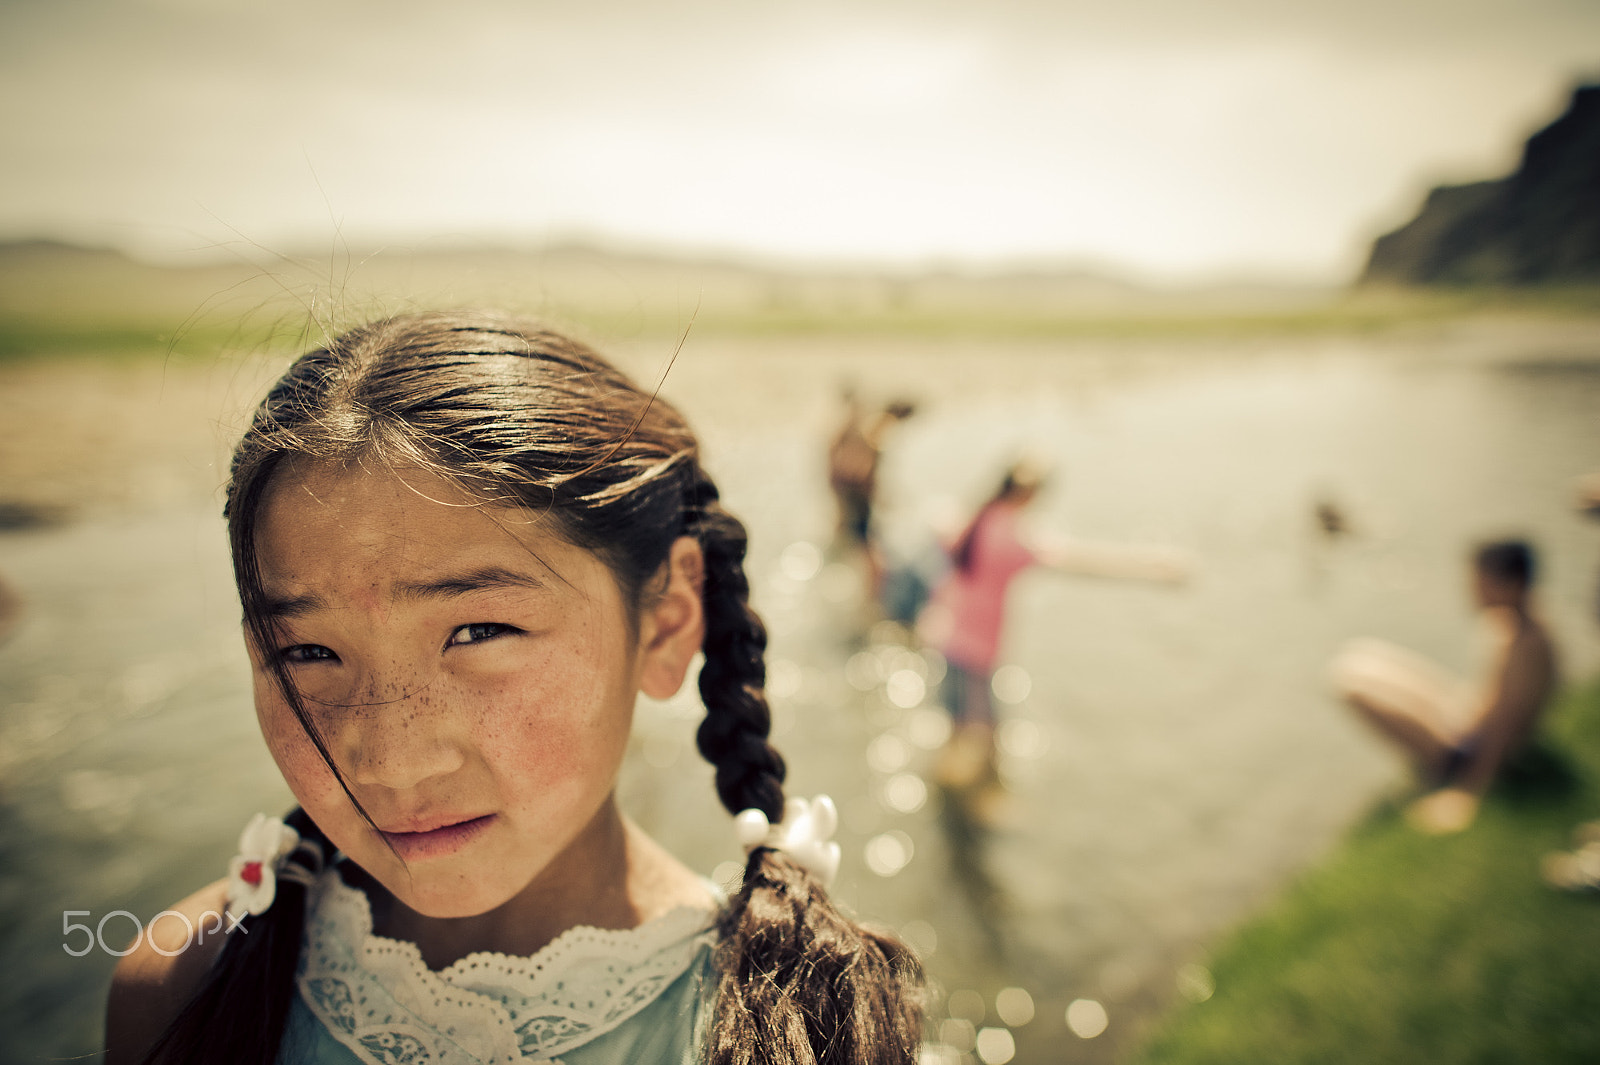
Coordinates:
(673, 626)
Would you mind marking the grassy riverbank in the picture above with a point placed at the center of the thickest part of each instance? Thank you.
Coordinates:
(1402, 948)
(186, 332)
(58, 300)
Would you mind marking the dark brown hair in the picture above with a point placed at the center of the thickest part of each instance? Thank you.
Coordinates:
(1024, 475)
(1510, 561)
(520, 415)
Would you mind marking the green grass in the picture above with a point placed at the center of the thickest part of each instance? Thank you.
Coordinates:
(86, 326)
(35, 337)
(1404, 948)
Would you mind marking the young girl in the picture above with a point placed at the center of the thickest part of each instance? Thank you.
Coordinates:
(464, 545)
(965, 616)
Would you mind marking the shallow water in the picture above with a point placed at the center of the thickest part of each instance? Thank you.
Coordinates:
(1175, 760)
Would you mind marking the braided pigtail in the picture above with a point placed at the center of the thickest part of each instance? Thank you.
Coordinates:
(798, 981)
(733, 737)
(251, 984)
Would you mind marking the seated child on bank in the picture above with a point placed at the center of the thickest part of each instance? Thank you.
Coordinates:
(1459, 736)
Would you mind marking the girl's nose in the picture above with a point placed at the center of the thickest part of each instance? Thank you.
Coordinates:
(400, 743)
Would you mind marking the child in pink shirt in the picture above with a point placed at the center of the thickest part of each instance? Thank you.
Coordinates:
(966, 614)
(965, 617)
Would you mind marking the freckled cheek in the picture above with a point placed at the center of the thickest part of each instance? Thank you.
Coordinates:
(307, 775)
(551, 735)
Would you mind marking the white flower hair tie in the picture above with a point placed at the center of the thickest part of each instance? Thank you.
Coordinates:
(264, 849)
(804, 835)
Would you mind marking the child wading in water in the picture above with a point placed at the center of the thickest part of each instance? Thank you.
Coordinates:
(464, 545)
(965, 616)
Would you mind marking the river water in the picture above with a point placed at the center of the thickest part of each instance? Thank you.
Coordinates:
(1173, 756)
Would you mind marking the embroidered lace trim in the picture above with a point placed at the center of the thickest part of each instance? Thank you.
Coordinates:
(377, 997)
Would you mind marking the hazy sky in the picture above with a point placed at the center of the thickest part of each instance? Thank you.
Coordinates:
(1172, 138)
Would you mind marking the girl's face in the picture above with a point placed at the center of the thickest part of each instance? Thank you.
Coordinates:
(472, 675)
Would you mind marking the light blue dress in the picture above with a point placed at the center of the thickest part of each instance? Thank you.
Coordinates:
(591, 997)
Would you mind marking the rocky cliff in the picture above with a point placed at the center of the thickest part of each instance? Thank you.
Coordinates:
(1540, 225)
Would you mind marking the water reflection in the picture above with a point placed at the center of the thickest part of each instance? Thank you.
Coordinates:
(965, 818)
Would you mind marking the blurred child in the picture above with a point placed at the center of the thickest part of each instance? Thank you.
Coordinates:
(965, 617)
(853, 458)
(1458, 737)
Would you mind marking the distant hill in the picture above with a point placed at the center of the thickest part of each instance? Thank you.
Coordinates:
(1540, 225)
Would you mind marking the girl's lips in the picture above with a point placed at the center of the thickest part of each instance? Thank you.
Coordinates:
(437, 842)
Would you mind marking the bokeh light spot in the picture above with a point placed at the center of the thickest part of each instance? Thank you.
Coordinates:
(995, 1046)
(905, 689)
(888, 753)
(893, 658)
(1021, 738)
(800, 561)
(1196, 983)
(958, 1033)
(929, 728)
(966, 1004)
(1011, 684)
(1014, 1006)
(905, 793)
(1087, 1018)
(863, 671)
(890, 852)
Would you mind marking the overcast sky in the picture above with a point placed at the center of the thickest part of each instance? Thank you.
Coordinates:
(1170, 138)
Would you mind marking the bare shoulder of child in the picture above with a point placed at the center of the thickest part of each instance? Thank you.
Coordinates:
(166, 968)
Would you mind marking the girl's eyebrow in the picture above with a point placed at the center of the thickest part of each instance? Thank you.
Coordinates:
(295, 606)
(484, 579)
(478, 580)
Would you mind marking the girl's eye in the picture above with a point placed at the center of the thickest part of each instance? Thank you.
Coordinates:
(308, 652)
(478, 632)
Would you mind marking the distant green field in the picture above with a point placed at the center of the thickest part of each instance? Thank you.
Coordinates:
(23, 337)
(35, 338)
(57, 299)
(1405, 949)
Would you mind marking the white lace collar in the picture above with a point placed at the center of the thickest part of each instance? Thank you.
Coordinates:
(377, 997)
